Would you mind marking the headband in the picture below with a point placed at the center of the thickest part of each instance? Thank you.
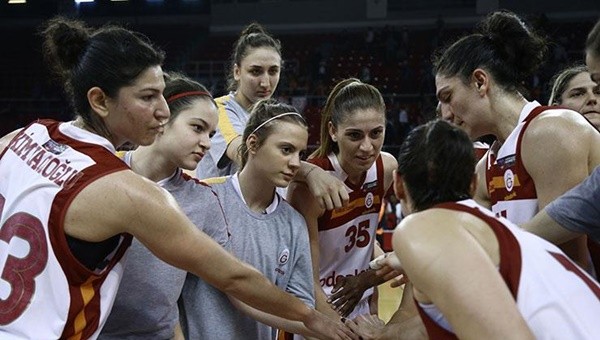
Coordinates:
(189, 93)
(278, 116)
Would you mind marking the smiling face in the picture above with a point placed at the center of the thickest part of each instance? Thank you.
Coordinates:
(257, 76)
(139, 111)
(461, 105)
(186, 138)
(582, 94)
(360, 138)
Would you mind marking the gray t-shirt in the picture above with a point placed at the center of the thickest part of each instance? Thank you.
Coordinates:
(275, 243)
(146, 302)
(579, 208)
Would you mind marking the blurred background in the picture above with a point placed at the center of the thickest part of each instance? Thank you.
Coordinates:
(388, 43)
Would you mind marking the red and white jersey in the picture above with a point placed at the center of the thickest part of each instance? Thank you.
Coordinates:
(347, 235)
(510, 187)
(45, 292)
(556, 298)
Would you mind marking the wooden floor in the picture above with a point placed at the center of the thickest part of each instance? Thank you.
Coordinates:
(389, 299)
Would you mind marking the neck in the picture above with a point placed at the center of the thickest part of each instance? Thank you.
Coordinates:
(242, 100)
(148, 163)
(258, 193)
(102, 132)
(354, 177)
(507, 111)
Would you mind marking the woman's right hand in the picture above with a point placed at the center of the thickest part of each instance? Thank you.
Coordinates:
(327, 328)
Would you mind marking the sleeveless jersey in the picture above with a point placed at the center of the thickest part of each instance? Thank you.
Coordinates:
(556, 298)
(347, 235)
(511, 188)
(45, 292)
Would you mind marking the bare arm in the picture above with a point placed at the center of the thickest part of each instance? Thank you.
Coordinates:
(294, 327)
(450, 268)
(300, 198)
(481, 195)
(546, 227)
(107, 207)
(566, 165)
(232, 151)
(329, 192)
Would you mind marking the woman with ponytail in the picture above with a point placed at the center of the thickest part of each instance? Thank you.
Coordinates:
(343, 240)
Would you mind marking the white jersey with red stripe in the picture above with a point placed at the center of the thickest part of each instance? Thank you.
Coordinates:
(511, 189)
(557, 299)
(347, 235)
(45, 292)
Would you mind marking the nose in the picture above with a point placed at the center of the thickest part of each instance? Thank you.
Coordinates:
(446, 113)
(162, 112)
(592, 98)
(295, 161)
(366, 145)
(264, 80)
(204, 141)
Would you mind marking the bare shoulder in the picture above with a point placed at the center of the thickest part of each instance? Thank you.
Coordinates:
(555, 125)
(116, 203)
(389, 165)
(4, 141)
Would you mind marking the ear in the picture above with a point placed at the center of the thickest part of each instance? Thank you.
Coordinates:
(481, 79)
(251, 144)
(398, 186)
(236, 72)
(473, 186)
(98, 101)
(331, 129)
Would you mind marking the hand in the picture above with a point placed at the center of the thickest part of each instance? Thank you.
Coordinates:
(348, 291)
(329, 191)
(388, 266)
(326, 328)
(366, 326)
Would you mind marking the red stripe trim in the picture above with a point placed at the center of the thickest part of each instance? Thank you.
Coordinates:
(77, 274)
(510, 249)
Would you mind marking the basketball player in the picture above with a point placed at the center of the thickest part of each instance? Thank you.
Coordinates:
(69, 206)
(481, 95)
(342, 240)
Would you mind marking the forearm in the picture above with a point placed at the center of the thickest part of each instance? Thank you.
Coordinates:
(305, 169)
(547, 228)
(294, 327)
(256, 291)
(321, 303)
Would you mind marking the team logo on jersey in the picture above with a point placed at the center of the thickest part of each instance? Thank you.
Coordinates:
(369, 200)
(509, 180)
(54, 147)
(284, 256)
(507, 162)
(369, 186)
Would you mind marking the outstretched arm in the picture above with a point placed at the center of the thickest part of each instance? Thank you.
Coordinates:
(151, 215)
(300, 198)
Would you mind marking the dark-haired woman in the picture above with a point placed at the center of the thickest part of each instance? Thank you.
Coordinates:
(536, 156)
(474, 275)
(69, 207)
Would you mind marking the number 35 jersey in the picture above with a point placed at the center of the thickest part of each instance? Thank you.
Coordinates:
(45, 292)
(347, 235)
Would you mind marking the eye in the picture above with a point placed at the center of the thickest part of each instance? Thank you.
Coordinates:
(354, 135)
(255, 72)
(197, 127)
(148, 97)
(576, 94)
(211, 135)
(376, 133)
(286, 150)
(273, 71)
